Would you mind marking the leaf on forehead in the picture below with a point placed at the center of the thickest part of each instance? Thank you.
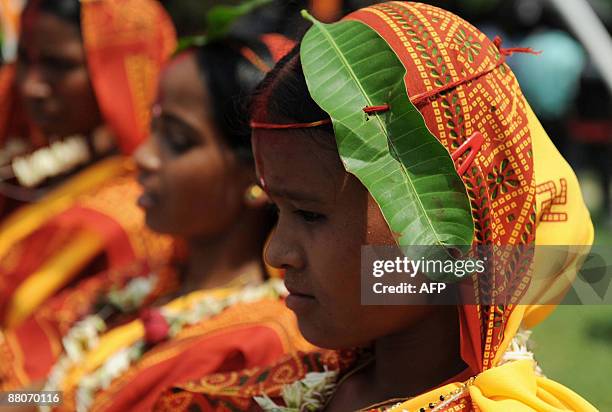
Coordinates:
(408, 172)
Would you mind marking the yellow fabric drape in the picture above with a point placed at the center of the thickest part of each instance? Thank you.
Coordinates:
(29, 218)
(55, 274)
(577, 231)
(515, 386)
(512, 387)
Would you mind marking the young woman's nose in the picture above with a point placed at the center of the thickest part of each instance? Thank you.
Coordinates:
(147, 156)
(34, 85)
(282, 251)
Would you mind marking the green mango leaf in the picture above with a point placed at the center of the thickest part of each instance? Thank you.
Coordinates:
(348, 66)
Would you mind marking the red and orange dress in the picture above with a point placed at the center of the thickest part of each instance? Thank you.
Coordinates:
(89, 222)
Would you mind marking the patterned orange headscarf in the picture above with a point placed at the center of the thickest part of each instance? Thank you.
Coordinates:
(127, 42)
(460, 83)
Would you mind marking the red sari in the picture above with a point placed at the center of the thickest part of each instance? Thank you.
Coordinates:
(245, 336)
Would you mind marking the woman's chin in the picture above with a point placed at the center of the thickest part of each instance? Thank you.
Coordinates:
(164, 223)
(321, 337)
(156, 223)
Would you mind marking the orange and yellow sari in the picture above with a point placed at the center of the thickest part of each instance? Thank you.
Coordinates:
(29, 350)
(244, 336)
(90, 222)
(522, 192)
(239, 326)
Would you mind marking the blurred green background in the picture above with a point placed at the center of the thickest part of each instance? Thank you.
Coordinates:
(574, 345)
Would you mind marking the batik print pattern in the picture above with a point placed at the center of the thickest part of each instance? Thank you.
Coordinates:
(234, 391)
(444, 50)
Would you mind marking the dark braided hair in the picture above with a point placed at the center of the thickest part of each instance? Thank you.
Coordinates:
(283, 96)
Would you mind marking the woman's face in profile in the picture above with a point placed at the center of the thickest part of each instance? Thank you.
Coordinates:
(193, 183)
(52, 78)
(325, 216)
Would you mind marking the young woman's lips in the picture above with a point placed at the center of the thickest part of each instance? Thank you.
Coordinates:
(298, 301)
(147, 200)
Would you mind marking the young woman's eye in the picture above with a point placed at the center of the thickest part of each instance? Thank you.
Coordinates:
(309, 217)
(58, 65)
(173, 134)
(179, 143)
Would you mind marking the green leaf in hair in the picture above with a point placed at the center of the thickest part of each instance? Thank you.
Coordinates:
(408, 172)
(187, 42)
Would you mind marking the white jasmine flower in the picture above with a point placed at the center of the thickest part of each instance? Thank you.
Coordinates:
(133, 294)
(308, 394)
(519, 349)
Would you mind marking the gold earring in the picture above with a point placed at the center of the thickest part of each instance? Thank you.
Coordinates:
(254, 193)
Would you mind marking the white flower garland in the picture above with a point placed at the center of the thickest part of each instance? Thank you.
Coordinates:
(133, 294)
(311, 393)
(84, 335)
(117, 364)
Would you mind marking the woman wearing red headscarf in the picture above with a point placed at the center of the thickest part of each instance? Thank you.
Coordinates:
(78, 101)
(432, 145)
